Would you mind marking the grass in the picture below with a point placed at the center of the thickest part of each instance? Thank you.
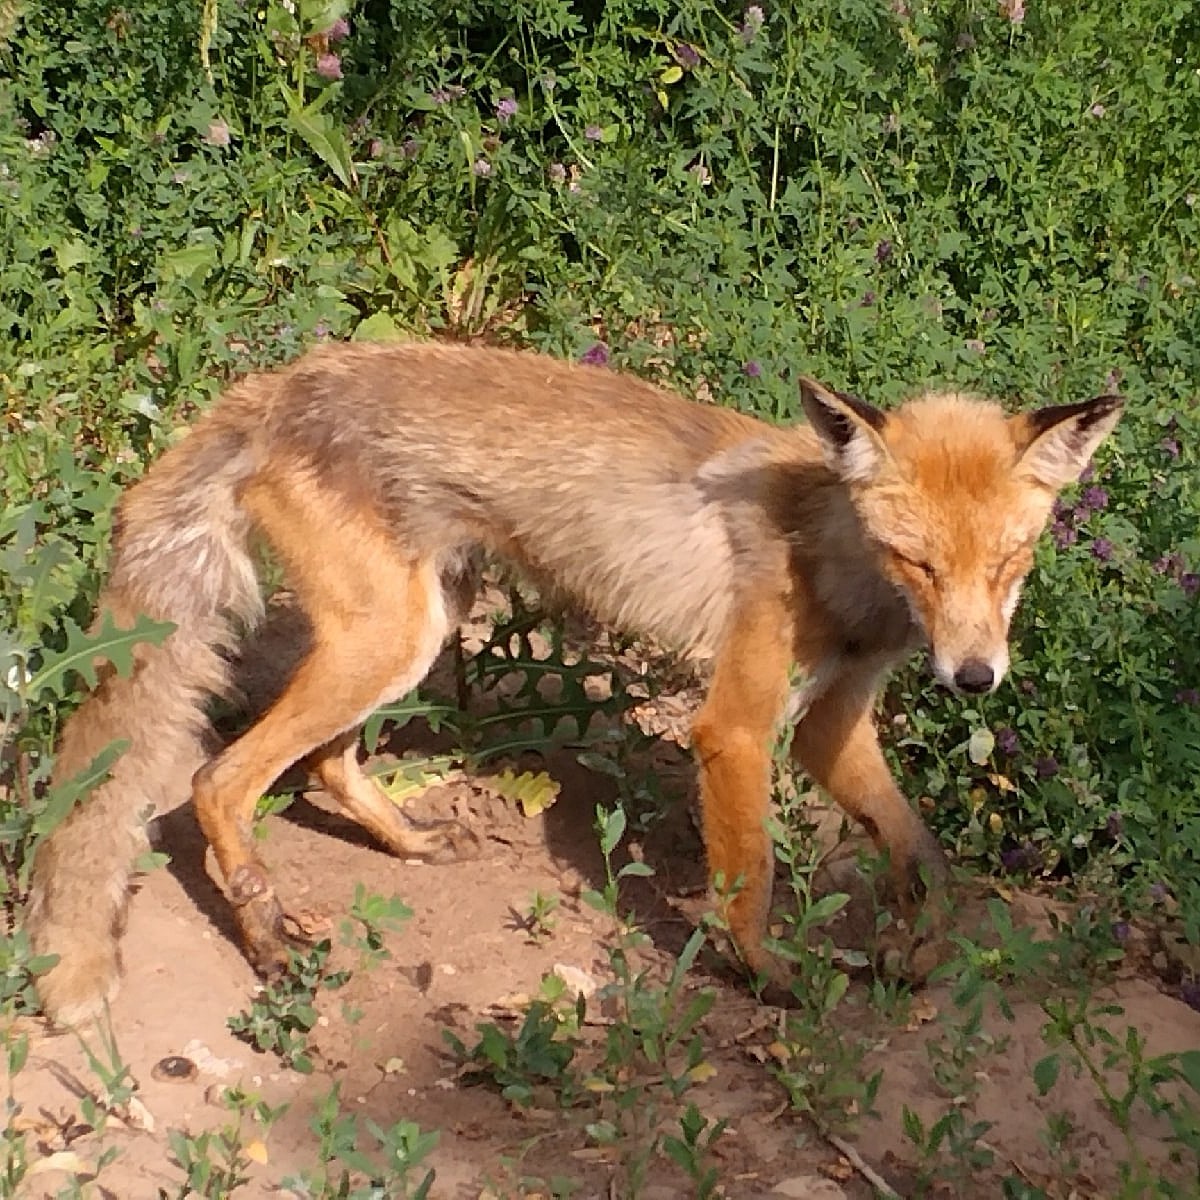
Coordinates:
(990, 197)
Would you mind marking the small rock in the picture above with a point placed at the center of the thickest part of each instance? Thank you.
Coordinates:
(577, 980)
(808, 1187)
(207, 1062)
(176, 1068)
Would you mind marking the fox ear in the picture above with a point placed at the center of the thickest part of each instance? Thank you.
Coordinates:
(848, 429)
(1060, 441)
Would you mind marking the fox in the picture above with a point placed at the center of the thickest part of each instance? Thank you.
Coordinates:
(379, 474)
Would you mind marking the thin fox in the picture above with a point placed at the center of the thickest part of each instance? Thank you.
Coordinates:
(376, 475)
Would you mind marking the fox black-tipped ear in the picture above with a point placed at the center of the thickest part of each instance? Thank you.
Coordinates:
(848, 429)
(1063, 438)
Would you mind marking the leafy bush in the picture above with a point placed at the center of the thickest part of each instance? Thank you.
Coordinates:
(991, 197)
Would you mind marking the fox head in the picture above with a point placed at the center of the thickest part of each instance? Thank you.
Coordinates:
(953, 494)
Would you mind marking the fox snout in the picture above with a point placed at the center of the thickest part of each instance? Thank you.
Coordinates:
(975, 677)
(969, 672)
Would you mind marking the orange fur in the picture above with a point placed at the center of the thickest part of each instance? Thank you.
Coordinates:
(377, 473)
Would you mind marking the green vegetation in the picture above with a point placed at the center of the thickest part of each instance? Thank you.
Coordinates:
(986, 196)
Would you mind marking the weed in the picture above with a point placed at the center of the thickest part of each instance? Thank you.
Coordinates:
(951, 1151)
(216, 1163)
(346, 1171)
(537, 921)
(281, 1018)
(370, 917)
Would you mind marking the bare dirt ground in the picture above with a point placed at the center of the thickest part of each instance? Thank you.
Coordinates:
(463, 959)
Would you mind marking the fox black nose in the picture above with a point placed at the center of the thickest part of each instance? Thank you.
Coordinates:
(974, 676)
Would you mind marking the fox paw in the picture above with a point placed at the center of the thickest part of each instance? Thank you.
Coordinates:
(268, 934)
(437, 842)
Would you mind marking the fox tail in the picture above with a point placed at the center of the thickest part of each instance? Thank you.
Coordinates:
(180, 554)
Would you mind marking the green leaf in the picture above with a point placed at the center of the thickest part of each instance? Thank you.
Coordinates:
(62, 798)
(1045, 1073)
(1189, 1066)
(379, 327)
(325, 139)
(85, 651)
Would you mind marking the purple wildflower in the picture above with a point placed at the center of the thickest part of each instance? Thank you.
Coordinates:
(868, 298)
(1087, 474)
(687, 56)
(444, 95)
(1170, 447)
(1063, 535)
(321, 329)
(375, 147)
(752, 369)
(1120, 931)
(1014, 10)
(329, 66)
(1046, 767)
(218, 133)
(593, 133)
(1115, 825)
(596, 356)
(1112, 380)
(506, 109)
(1189, 993)
(1025, 857)
(1097, 110)
(1007, 741)
(1189, 696)
(1102, 549)
(339, 30)
(1157, 892)
(1169, 564)
(481, 167)
(1190, 582)
(557, 172)
(884, 251)
(1095, 499)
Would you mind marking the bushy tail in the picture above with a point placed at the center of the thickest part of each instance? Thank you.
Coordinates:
(180, 555)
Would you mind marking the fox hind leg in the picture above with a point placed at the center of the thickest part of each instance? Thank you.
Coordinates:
(378, 620)
(360, 798)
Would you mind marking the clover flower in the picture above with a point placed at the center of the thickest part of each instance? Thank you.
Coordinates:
(752, 23)
(1046, 767)
(329, 66)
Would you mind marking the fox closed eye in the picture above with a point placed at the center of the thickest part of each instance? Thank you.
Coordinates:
(922, 565)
